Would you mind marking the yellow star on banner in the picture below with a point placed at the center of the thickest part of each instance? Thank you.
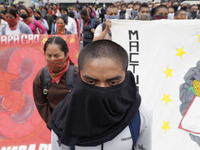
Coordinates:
(166, 98)
(199, 37)
(180, 52)
(168, 72)
(166, 126)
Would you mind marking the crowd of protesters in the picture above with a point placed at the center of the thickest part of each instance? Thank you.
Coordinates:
(83, 19)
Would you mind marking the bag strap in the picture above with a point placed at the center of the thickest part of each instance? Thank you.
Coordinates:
(135, 128)
(46, 80)
(70, 77)
(92, 23)
(33, 21)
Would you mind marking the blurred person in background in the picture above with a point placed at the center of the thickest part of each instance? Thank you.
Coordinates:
(32, 23)
(60, 26)
(40, 19)
(192, 13)
(48, 18)
(181, 14)
(161, 12)
(70, 22)
(89, 26)
(14, 26)
(78, 25)
(143, 13)
(56, 10)
(103, 30)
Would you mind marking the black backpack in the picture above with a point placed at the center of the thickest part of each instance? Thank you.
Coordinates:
(47, 79)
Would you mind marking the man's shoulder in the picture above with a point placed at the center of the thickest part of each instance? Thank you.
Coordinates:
(145, 114)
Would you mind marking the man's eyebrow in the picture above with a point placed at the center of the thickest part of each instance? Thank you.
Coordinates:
(118, 77)
(89, 78)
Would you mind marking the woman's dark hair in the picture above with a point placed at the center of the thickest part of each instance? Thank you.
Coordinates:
(58, 41)
(24, 8)
(63, 18)
(32, 8)
(64, 8)
(12, 12)
(38, 12)
(71, 14)
(84, 12)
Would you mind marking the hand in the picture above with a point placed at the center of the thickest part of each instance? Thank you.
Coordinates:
(108, 25)
(92, 30)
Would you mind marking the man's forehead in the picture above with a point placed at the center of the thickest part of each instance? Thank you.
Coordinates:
(111, 10)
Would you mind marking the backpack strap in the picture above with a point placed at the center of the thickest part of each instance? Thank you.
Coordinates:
(70, 77)
(135, 128)
(92, 23)
(46, 80)
(33, 21)
(72, 147)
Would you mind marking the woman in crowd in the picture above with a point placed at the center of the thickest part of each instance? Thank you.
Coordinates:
(61, 77)
(14, 26)
(42, 21)
(32, 23)
(48, 18)
(70, 22)
(78, 25)
(60, 27)
(89, 26)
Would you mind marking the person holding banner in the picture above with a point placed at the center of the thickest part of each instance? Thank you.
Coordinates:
(103, 30)
(14, 26)
(103, 110)
(53, 82)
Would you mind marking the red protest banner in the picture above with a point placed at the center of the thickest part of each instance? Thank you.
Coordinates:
(21, 57)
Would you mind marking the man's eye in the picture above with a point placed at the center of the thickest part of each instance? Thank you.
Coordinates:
(90, 82)
(112, 83)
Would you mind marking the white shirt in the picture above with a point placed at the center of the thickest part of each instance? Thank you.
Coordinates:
(8, 31)
(71, 26)
(2, 24)
(121, 142)
(98, 32)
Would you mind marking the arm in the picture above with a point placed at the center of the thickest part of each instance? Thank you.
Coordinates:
(37, 24)
(74, 28)
(41, 102)
(98, 34)
(45, 24)
(25, 28)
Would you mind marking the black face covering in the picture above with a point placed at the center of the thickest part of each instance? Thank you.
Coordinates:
(90, 116)
(37, 17)
(24, 16)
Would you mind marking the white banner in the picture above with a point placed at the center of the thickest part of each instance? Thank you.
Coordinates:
(164, 55)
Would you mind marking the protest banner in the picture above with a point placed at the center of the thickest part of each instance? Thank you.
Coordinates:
(164, 55)
(21, 57)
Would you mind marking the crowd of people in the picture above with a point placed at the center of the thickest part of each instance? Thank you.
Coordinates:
(82, 20)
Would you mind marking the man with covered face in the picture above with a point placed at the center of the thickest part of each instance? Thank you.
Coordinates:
(104, 110)
(103, 30)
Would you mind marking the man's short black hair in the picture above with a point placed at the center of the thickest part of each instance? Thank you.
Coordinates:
(144, 5)
(103, 49)
(110, 6)
(158, 7)
(178, 12)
